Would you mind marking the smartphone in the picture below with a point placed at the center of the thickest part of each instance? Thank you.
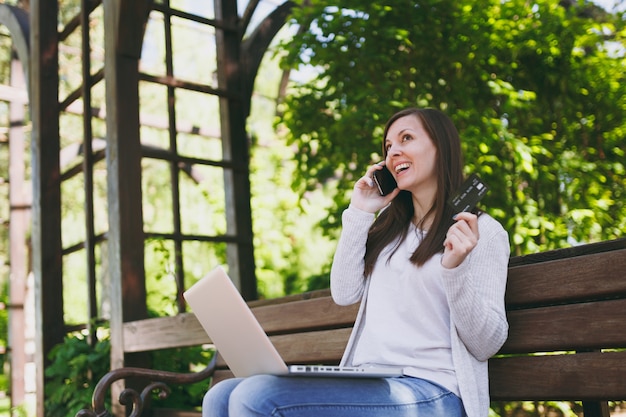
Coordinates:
(385, 181)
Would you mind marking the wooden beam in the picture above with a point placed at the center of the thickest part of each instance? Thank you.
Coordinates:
(20, 202)
(255, 46)
(236, 149)
(124, 23)
(46, 232)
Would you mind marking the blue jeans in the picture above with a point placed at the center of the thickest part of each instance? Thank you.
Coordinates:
(267, 395)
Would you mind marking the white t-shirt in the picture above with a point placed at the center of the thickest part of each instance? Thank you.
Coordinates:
(407, 318)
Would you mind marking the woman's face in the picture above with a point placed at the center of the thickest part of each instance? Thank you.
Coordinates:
(411, 155)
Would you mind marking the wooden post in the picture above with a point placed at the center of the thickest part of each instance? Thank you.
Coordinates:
(46, 232)
(19, 221)
(236, 149)
(124, 23)
(17, 21)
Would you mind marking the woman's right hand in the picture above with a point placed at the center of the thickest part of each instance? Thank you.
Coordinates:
(365, 195)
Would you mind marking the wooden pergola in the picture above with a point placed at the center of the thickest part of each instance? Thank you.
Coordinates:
(36, 39)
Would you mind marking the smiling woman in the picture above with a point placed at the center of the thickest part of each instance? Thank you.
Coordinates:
(403, 257)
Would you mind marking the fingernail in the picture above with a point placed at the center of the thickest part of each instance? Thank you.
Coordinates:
(455, 216)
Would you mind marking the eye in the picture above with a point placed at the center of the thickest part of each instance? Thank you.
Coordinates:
(406, 137)
(387, 146)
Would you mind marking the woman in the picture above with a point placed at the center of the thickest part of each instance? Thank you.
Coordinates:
(431, 285)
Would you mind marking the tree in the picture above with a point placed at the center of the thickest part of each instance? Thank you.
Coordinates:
(536, 89)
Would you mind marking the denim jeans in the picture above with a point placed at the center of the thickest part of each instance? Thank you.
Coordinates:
(267, 395)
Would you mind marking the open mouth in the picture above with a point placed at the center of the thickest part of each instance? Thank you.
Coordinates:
(402, 167)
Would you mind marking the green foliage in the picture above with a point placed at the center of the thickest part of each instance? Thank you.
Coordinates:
(184, 360)
(76, 368)
(536, 89)
(536, 408)
(289, 248)
(71, 377)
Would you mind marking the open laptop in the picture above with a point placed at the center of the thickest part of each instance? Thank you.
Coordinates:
(242, 342)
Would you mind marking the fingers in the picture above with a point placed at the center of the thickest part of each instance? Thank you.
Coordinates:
(465, 230)
(368, 179)
(366, 195)
(365, 181)
(460, 240)
(468, 218)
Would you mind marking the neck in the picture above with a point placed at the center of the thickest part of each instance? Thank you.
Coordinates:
(422, 222)
(422, 217)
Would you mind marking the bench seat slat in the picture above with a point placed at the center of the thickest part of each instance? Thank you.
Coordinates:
(531, 330)
(164, 332)
(320, 347)
(572, 377)
(185, 330)
(317, 313)
(567, 327)
(581, 278)
(581, 376)
(323, 347)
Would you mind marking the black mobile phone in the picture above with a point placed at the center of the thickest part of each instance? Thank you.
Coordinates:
(385, 182)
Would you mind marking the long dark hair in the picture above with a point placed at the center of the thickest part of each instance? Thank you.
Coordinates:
(392, 223)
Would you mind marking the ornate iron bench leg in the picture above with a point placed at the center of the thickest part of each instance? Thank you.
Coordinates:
(159, 379)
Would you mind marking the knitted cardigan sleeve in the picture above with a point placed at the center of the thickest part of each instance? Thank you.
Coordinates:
(475, 291)
(347, 281)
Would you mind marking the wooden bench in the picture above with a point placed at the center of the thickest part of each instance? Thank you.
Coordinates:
(567, 340)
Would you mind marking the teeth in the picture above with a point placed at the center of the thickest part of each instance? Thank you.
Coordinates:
(402, 167)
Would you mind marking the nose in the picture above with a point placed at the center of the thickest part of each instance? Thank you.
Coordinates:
(393, 149)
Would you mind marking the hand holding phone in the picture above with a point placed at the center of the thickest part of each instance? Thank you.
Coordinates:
(385, 181)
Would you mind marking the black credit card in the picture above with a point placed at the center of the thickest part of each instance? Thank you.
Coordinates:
(470, 193)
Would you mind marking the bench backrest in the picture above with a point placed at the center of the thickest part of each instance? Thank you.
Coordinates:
(566, 311)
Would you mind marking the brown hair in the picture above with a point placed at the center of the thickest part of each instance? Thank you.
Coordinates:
(392, 223)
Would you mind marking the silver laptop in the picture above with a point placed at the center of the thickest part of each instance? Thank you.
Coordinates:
(242, 342)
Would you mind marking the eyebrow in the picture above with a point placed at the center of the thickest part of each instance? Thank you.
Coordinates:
(400, 133)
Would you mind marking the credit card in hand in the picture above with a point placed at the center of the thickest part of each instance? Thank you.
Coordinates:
(470, 193)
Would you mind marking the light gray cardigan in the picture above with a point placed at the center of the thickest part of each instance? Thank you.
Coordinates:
(475, 292)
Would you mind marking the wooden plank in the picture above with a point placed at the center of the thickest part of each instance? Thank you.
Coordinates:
(564, 253)
(317, 313)
(582, 326)
(573, 279)
(292, 297)
(323, 347)
(185, 330)
(164, 332)
(584, 376)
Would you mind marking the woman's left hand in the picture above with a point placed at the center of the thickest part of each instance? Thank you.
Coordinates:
(461, 238)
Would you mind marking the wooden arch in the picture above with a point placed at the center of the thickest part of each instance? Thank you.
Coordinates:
(16, 20)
